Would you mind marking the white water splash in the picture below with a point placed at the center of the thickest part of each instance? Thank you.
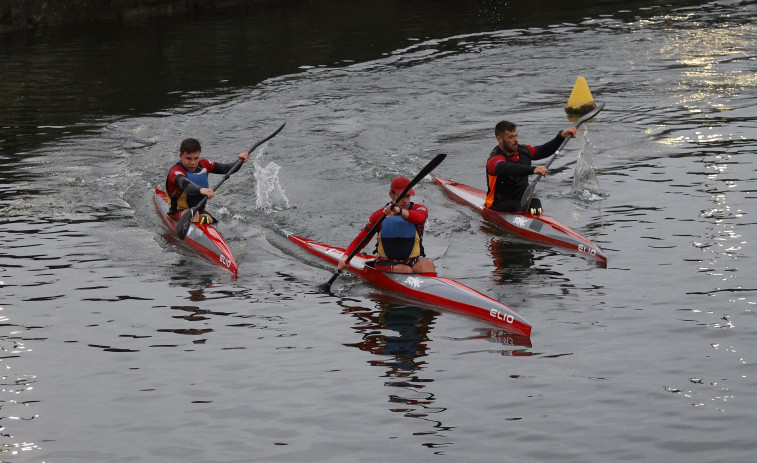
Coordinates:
(268, 191)
(585, 184)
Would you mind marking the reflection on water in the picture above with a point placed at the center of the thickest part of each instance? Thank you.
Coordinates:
(398, 336)
(16, 387)
(513, 261)
(512, 344)
(397, 332)
(15, 402)
(514, 258)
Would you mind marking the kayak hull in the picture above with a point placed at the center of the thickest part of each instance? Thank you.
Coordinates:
(539, 228)
(430, 290)
(205, 240)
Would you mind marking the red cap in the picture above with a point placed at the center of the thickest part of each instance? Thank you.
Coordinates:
(399, 184)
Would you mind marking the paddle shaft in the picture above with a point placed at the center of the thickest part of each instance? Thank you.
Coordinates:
(426, 170)
(528, 194)
(182, 227)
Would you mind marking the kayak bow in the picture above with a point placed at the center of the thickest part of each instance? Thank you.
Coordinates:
(540, 228)
(206, 240)
(426, 289)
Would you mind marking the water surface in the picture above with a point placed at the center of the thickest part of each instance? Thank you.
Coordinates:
(118, 346)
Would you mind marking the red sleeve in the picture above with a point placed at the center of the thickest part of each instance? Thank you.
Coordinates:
(417, 215)
(364, 232)
(531, 150)
(210, 165)
(491, 164)
(173, 190)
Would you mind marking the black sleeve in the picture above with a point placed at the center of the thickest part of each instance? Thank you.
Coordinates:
(187, 185)
(548, 149)
(512, 168)
(223, 167)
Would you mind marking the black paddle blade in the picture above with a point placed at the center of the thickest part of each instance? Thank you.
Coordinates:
(590, 114)
(326, 287)
(430, 166)
(525, 201)
(267, 138)
(422, 174)
(182, 226)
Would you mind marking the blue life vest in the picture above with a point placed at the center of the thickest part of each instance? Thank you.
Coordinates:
(200, 179)
(398, 239)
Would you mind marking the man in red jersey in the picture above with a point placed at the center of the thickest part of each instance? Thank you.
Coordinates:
(187, 181)
(400, 235)
(509, 166)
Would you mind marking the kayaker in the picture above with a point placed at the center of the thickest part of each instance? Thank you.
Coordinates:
(400, 235)
(509, 166)
(187, 181)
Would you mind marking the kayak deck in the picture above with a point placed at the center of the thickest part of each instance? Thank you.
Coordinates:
(539, 228)
(427, 289)
(206, 240)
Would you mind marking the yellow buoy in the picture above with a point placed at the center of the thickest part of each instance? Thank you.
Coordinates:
(580, 101)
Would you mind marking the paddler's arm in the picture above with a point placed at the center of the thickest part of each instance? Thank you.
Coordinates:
(192, 188)
(502, 167)
(224, 168)
(548, 149)
(343, 261)
(363, 233)
(417, 215)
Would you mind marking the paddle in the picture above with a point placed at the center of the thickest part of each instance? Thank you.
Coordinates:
(182, 226)
(526, 199)
(429, 167)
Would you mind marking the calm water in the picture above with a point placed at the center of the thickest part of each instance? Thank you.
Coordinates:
(118, 346)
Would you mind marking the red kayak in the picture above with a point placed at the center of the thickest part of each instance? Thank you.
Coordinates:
(540, 228)
(206, 240)
(429, 290)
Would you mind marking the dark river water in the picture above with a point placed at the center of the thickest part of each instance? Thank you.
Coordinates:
(117, 345)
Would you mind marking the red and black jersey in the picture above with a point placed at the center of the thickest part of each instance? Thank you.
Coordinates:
(507, 176)
(183, 187)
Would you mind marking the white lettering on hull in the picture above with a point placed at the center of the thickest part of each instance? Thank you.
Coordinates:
(521, 221)
(587, 249)
(506, 317)
(415, 282)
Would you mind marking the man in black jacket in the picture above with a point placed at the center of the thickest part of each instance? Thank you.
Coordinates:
(509, 166)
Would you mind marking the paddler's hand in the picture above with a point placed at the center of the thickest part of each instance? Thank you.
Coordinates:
(570, 132)
(244, 156)
(392, 209)
(541, 170)
(342, 263)
(207, 192)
